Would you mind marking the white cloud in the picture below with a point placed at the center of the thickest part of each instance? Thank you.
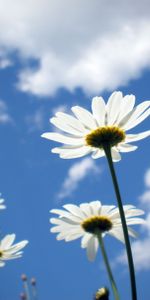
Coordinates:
(4, 115)
(93, 44)
(145, 197)
(62, 108)
(35, 121)
(141, 255)
(77, 172)
(5, 63)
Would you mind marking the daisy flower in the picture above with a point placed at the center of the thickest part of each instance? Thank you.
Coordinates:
(2, 206)
(8, 250)
(107, 125)
(88, 220)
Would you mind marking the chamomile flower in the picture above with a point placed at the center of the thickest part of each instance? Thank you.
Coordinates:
(8, 250)
(87, 132)
(88, 220)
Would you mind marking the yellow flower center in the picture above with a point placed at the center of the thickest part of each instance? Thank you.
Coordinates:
(97, 223)
(105, 136)
(1, 253)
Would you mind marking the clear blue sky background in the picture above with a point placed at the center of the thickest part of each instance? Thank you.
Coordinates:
(31, 178)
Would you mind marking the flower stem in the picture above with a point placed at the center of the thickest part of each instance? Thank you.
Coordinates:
(110, 275)
(107, 150)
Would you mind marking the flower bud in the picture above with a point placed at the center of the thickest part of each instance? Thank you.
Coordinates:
(102, 294)
(23, 296)
(33, 281)
(24, 277)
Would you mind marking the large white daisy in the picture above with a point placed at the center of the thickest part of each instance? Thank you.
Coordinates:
(89, 219)
(8, 250)
(107, 124)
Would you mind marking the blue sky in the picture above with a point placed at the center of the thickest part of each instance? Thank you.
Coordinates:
(67, 63)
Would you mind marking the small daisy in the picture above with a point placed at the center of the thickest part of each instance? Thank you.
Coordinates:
(8, 250)
(2, 205)
(91, 219)
(107, 125)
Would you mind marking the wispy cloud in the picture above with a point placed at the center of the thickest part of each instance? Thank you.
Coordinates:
(141, 247)
(62, 108)
(35, 121)
(5, 61)
(77, 172)
(4, 115)
(94, 56)
(141, 255)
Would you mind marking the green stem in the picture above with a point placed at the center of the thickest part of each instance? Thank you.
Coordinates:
(123, 220)
(110, 275)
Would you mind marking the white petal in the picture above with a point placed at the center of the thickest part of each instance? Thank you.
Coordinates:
(61, 236)
(57, 137)
(125, 119)
(2, 264)
(85, 239)
(92, 248)
(73, 236)
(66, 234)
(63, 149)
(65, 127)
(117, 233)
(116, 215)
(128, 103)
(98, 153)
(67, 228)
(86, 209)
(63, 221)
(73, 153)
(132, 232)
(134, 212)
(139, 109)
(56, 229)
(16, 247)
(71, 121)
(134, 123)
(133, 221)
(2, 206)
(138, 136)
(134, 115)
(95, 207)
(99, 110)
(75, 210)
(57, 221)
(66, 214)
(60, 212)
(13, 256)
(115, 155)
(113, 107)
(7, 241)
(106, 209)
(85, 117)
(126, 147)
